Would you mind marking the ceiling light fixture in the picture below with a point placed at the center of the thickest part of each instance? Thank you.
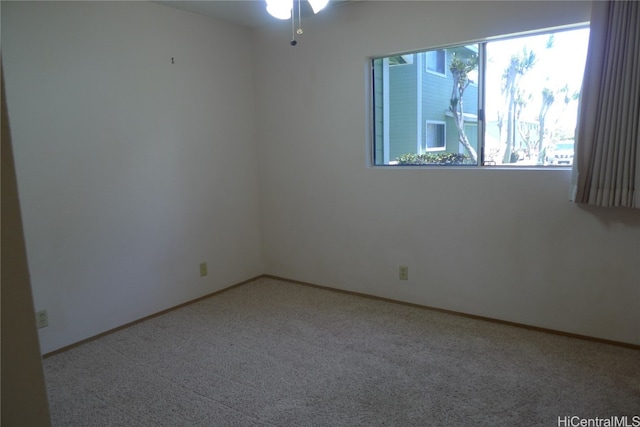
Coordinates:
(285, 9)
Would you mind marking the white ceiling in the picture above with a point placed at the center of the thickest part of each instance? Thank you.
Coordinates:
(249, 13)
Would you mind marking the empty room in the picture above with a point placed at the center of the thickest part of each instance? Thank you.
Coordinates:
(400, 213)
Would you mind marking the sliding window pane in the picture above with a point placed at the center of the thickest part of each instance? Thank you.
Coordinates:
(532, 89)
(426, 107)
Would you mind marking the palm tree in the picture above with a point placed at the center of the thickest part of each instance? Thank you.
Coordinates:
(518, 66)
(548, 99)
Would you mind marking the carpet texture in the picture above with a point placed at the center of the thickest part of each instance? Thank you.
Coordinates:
(274, 353)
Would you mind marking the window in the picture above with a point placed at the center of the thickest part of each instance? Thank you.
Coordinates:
(401, 60)
(436, 61)
(434, 136)
(506, 102)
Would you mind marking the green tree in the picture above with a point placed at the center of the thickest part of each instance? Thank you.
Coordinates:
(460, 69)
(567, 98)
(518, 67)
(548, 98)
(523, 128)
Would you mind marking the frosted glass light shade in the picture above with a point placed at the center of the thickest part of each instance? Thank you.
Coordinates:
(280, 9)
(318, 5)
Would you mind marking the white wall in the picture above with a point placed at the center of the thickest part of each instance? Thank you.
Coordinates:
(505, 244)
(131, 169)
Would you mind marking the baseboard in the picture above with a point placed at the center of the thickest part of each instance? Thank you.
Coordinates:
(299, 282)
(151, 316)
(461, 314)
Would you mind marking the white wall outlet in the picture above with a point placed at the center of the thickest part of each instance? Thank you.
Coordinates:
(42, 319)
(404, 272)
(203, 269)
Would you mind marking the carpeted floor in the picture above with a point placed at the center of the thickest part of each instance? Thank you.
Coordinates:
(275, 353)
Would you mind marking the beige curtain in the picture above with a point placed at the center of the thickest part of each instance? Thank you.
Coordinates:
(607, 160)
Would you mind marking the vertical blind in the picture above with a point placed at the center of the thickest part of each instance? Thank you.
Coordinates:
(607, 161)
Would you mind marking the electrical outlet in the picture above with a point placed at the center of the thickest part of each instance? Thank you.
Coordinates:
(203, 269)
(404, 272)
(42, 320)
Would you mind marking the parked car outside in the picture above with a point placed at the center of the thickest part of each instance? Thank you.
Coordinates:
(561, 154)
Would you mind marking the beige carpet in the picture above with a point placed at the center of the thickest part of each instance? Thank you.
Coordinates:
(275, 353)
